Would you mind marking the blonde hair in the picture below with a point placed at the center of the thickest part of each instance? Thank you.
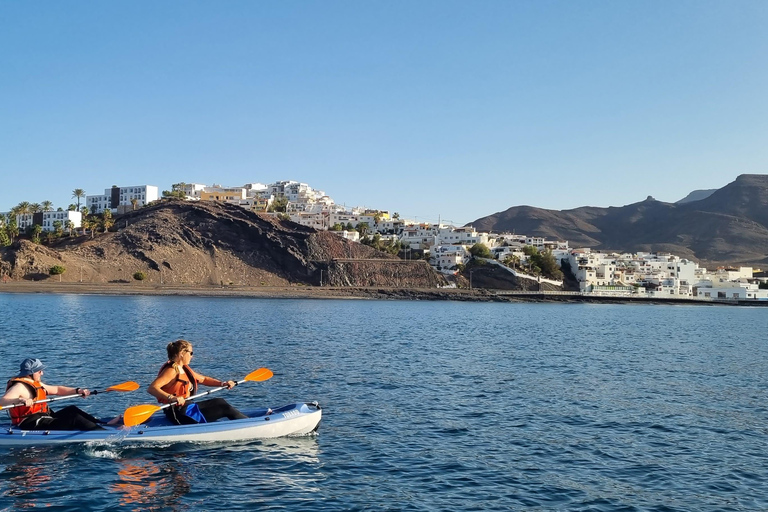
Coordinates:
(175, 348)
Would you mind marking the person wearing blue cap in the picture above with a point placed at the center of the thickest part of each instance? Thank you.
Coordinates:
(26, 391)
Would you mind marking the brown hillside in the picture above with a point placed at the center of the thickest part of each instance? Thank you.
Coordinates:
(196, 243)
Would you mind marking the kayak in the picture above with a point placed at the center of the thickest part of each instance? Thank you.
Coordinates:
(289, 420)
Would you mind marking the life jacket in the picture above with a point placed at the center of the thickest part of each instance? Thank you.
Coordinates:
(179, 387)
(20, 412)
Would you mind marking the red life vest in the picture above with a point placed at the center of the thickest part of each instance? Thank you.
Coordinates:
(21, 412)
(185, 387)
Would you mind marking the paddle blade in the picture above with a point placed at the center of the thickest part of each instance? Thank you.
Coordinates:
(137, 414)
(259, 375)
(125, 386)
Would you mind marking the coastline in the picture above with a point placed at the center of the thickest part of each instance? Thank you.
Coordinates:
(361, 293)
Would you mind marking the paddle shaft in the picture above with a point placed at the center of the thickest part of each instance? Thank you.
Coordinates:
(65, 397)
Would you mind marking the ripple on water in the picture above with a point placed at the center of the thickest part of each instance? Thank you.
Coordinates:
(427, 406)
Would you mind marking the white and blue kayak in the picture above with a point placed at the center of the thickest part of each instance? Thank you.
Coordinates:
(289, 420)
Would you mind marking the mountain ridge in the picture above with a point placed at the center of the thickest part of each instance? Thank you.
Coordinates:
(727, 227)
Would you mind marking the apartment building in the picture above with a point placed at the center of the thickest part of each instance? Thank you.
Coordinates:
(45, 219)
(120, 199)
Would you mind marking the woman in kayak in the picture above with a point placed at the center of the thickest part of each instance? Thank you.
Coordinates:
(176, 382)
(24, 390)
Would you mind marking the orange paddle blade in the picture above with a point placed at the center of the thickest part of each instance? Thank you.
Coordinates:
(259, 375)
(125, 386)
(138, 413)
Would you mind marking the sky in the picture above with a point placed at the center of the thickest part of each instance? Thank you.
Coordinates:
(449, 110)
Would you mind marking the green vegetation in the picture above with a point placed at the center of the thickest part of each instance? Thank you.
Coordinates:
(391, 247)
(280, 204)
(480, 251)
(57, 270)
(177, 194)
(542, 263)
(139, 276)
(34, 232)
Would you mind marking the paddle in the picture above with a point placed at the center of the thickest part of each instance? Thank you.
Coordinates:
(125, 386)
(139, 413)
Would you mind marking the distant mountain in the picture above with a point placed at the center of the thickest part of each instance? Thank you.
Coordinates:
(696, 195)
(728, 226)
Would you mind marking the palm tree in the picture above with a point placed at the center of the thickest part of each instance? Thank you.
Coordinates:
(12, 228)
(35, 232)
(106, 219)
(84, 216)
(134, 201)
(69, 225)
(78, 193)
(47, 206)
(35, 208)
(22, 208)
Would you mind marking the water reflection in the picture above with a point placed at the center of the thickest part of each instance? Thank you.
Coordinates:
(144, 484)
(28, 476)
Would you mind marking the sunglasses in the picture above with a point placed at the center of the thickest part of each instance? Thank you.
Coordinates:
(190, 352)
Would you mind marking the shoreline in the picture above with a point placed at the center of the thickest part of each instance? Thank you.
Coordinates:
(361, 293)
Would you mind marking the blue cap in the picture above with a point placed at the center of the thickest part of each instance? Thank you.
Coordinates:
(30, 366)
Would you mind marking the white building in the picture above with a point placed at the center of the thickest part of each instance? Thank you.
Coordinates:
(191, 190)
(446, 257)
(46, 219)
(119, 199)
(741, 291)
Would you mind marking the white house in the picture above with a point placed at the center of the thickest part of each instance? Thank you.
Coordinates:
(446, 257)
(741, 291)
(191, 190)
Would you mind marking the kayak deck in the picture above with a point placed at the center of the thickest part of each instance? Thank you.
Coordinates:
(292, 419)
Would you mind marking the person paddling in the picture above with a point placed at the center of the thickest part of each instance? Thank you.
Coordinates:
(26, 388)
(176, 381)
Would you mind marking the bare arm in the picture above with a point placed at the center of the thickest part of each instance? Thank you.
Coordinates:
(165, 377)
(65, 390)
(17, 394)
(210, 381)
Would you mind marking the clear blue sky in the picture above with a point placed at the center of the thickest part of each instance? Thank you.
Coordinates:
(456, 109)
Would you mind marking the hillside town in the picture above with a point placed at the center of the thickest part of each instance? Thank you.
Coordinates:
(449, 249)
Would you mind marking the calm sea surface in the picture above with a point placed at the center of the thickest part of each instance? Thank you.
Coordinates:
(427, 405)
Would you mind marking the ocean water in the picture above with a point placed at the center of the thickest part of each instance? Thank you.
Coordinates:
(427, 405)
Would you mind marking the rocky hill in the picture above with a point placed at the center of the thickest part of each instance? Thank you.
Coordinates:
(696, 195)
(727, 227)
(203, 244)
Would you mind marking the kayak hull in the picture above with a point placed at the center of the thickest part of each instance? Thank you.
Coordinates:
(289, 420)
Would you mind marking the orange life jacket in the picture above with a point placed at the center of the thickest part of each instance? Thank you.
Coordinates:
(186, 386)
(21, 412)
